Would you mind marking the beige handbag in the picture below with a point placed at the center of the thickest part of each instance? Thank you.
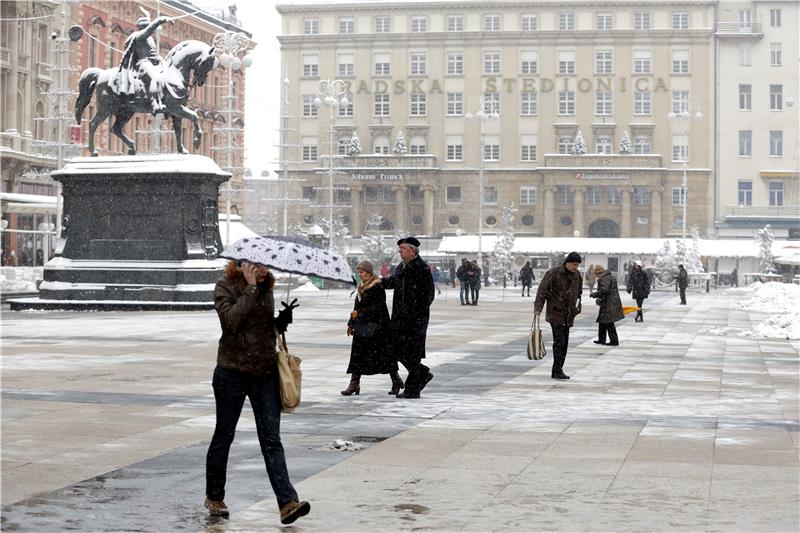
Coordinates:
(289, 375)
(536, 349)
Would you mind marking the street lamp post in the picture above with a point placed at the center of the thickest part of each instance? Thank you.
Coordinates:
(685, 117)
(332, 94)
(482, 115)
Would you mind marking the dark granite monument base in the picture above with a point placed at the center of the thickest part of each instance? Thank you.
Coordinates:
(140, 233)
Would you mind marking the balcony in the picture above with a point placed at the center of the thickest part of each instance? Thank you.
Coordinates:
(383, 161)
(762, 212)
(737, 30)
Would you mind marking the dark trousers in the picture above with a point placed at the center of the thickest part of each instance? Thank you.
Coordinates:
(230, 389)
(475, 293)
(464, 293)
(611, 329)
(683, 295)
(523, 288)
(560, 343)
(639, 313)
(417, 373)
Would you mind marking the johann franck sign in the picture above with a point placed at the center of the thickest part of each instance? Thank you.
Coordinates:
(377, 177)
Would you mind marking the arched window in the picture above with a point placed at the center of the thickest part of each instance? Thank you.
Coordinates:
(38, 123)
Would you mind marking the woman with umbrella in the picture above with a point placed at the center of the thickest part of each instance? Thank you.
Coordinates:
(371, 352)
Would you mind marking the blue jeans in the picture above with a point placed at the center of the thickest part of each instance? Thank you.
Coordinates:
(464, 292)
(230, 389)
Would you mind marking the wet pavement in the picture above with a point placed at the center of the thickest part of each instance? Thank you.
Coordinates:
(106, 418)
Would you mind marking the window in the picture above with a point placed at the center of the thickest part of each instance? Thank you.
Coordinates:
(419, 104)
(380, 145)
(528, 145)
(744, 55)
(529, 62)
(310, 26)
(382, 63)
(775, 54)
(347, 25)
(641, 103)
(417, 145)
(745, 143)
(342, 144)
(775, 18)
(678, 196)
(489, 194)
(745, 19)
(419, 24)
(604, 21)
(309, 109)
(776, 193)
(529, 23)
(341, 197)
(370, 195)
(642, 62)
(603, 62)
(455, 104)
(382, 24)
(604, 145)
(381, 105)
(491, 103)
(614, 195)
(491, 62)
(594, 195)
(389, 195)
(455, 63)
(566, 102)
(309, 148)
(680, 149)
(491, 148)
(347, 110)
(776, 143)
(415, 194)
(311, 65)
(453, 194)
(680, 101)
(527, 103)
(745, 97)
(775, 97)
(564, 195)
(527, 195)
(642, 144)
(604, 104)
(455, 23)
(419, 63)
(309, 194)
(346, 65)
(566, 61)
(680, 20)
(565, 144)
(641, 20)
(680, 61)
(455, 147)
(491, 23)
(641, 195)
(566, 21)
(745, 193)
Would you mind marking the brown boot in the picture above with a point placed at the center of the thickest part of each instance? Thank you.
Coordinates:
(294, 510)
(216, 507)
(397, 383)
(354, 387)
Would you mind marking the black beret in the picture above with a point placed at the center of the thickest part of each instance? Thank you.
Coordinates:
(408, 240)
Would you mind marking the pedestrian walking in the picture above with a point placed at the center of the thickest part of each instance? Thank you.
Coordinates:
(474, 280)
(638, 287)
(734, 277)
(461, 275)
(590, 278)
(246, 367)
(371, 351)
(437, 277)
(526, 277)
(560, 289)
(411, 302)
(607, 297)
(683, 282)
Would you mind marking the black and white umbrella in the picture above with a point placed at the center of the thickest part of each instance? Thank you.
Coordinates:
(291, 257)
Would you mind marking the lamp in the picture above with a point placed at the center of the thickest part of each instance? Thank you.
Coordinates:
(480, 114)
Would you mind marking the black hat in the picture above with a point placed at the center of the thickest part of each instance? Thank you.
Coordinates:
(573, 257)
(408, 240)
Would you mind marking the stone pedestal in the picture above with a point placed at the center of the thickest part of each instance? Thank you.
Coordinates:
(140, 232)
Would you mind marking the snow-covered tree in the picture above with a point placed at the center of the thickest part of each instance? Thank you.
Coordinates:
(503, 257)
(693, 258)
(374, 244)
(680, 252)
(625, 145)
(579, 146)
(400, 144)
(354, 148)
(764, 238)
(666, 263)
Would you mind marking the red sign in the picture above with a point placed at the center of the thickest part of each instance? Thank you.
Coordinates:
(75, 134)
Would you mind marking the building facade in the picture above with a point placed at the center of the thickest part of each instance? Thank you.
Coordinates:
(758, 152)
(561, 109)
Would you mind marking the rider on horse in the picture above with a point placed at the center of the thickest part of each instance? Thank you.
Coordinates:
(141, 57)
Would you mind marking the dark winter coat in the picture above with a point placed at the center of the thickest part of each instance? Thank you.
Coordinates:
(246, 314)
(526, 275)
(413, 296)
(372, 355)
(683, 278)
(638, 283)
(561, 290)
(608, 299)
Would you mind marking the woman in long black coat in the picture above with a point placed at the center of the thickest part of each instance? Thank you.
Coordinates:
(369, 325)
(608, 299)
(639, 288)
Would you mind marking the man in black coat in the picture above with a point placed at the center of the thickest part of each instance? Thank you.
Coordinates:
(526, 277)
(413, 296)
(683, 282)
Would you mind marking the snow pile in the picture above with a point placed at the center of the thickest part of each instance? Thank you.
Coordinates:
(782, 301)
(19, 279)
(340, 445)
(306, 287)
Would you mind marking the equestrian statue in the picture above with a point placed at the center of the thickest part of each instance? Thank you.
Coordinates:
(144, 83)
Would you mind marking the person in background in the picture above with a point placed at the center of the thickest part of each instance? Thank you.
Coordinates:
(437, 277)
(607, 295)
(734, 277)
(12, 259)
(560, 289)
(247, 368)
(683, 282)
(461, 275)
(526, 277)
(475, 282)
(638, 287)
(590, 278)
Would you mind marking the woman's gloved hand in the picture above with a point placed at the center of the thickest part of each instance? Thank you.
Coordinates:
(284, 317)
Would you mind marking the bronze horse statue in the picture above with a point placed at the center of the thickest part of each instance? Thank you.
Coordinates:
(184, 59)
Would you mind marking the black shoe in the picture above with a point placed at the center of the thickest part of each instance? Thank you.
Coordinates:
(559, 376)
(427, 380)
(408, 395)
(612, 344)
(598, 342)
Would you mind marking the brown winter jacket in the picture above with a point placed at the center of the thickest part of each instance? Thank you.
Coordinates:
(246, 314)
(561, 289)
